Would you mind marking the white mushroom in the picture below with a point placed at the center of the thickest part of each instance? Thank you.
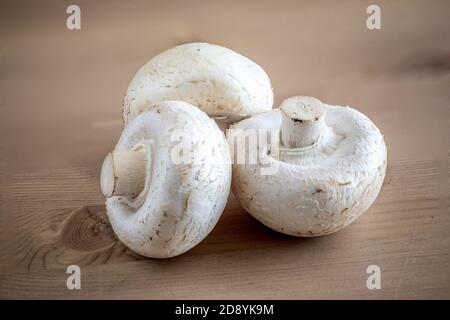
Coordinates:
(329, 170)
(224, 84)
(167, 180)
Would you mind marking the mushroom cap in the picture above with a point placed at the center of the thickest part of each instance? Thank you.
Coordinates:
(319, 189)
(221, 82)
(181, 201)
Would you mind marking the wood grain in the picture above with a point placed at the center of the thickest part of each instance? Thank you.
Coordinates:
(50, 240)
(60, 110)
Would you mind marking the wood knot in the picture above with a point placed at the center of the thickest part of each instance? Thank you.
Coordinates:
(88, 229)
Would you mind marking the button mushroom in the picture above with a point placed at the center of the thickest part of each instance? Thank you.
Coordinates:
(330, 168)
(160, 205)
(224, 84)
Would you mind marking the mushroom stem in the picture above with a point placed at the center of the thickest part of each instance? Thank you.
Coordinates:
(303, 120)
(123, 173)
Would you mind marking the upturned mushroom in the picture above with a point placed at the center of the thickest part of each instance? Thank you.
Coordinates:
(222, 83)
(329, 169)
(167, 180)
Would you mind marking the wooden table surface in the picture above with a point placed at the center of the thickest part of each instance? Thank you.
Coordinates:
(60, 96)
